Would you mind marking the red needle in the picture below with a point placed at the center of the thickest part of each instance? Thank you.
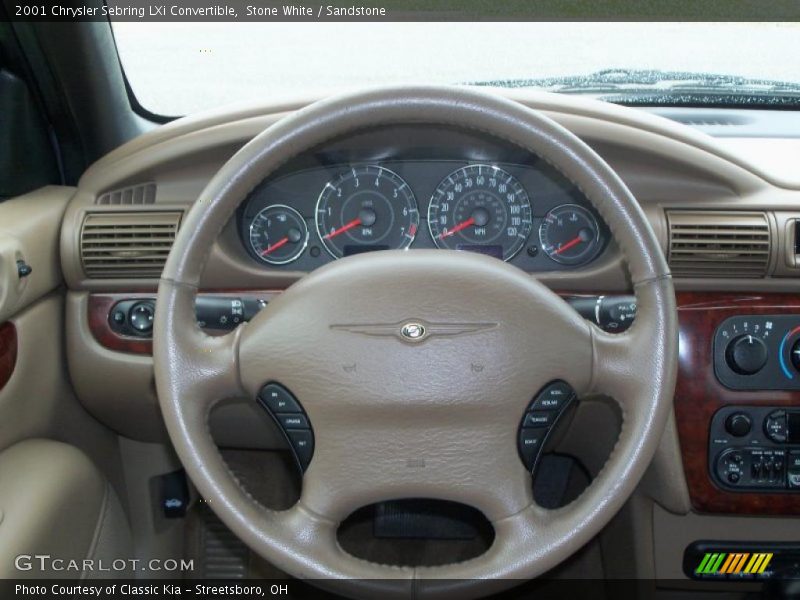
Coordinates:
(573, 242)
(457, 228)
(275, 246)
(343, 228)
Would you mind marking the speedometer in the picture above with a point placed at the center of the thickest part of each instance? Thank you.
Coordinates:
(481, 208)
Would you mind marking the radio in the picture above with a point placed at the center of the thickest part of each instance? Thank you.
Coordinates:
(755, 448)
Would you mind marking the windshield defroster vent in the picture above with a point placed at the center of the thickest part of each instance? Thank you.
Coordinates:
(127, 245)
(144, 193)
(718, 244)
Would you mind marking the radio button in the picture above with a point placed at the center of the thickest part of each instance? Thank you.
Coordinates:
(793, 470)
(775, 426)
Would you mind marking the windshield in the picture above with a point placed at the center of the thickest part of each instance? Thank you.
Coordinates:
(180, 68)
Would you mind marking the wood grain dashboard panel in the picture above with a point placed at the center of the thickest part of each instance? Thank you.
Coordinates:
(99, 309)
(8, 352)
(699, 395)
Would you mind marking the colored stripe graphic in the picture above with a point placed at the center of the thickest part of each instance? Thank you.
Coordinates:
(715, 567)
(740, 564)
(734, 563)
(757, 564)
(766, 562)
(701, 568)
(751, 564)
(729, 562)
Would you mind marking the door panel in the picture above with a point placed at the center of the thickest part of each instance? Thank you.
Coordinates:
(8, 352)
(61, 474)
(30, 231)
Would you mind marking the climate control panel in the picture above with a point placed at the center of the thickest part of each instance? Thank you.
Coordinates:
(758, 352)
(755, 448)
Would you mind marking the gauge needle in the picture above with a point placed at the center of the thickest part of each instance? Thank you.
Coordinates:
(448, 232)
(275, 246)
(343, 228)
(570, 244)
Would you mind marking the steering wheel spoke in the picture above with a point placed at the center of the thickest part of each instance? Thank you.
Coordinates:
(209, 364)
(628, 366)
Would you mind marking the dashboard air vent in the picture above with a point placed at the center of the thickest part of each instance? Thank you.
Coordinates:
(718, 244)
(127, 245)
(144, 193)
(797, 238)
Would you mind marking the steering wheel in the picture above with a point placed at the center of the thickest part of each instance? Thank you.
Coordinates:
(396, 419)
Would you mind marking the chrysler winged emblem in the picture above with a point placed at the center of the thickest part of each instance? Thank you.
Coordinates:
(414, 331)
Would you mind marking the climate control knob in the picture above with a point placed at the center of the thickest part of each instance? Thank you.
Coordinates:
(746, 354)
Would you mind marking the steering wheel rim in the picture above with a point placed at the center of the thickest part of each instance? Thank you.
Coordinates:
(637, 368)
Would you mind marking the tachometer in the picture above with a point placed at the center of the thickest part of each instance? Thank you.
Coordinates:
(278, 234)
(569, 235)
(481, 208)
(366, 208)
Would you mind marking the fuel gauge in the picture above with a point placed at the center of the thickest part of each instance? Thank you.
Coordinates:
(278, 234)
(569, 235)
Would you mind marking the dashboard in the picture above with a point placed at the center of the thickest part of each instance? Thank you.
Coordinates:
(725, 209)
(372, 192)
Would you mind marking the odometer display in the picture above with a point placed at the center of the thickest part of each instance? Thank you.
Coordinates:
(480, 208)
(366, 208)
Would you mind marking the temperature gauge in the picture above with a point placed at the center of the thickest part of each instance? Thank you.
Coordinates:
(569, 234)
(278, 234)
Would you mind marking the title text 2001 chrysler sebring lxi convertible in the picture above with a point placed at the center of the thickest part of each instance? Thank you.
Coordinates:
(507, 312)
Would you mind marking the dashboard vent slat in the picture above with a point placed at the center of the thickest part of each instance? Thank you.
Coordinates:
(718, 244)
(140, 194)
(130, 245)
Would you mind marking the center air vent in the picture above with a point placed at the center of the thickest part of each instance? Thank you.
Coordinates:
(718, 244)
(127, 245)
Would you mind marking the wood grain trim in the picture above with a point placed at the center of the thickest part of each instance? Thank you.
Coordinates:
(99, 309)
(699, 395)
(8, 352)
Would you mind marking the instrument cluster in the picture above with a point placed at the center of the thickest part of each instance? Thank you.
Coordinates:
(526, 214)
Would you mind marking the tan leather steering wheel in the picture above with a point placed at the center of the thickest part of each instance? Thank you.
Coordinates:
(415, 419)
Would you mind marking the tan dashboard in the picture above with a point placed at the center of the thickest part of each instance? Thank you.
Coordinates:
(727, 222)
